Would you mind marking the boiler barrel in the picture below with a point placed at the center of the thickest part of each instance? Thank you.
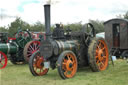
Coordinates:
(8, 48)
(47, 48)
(66, 45)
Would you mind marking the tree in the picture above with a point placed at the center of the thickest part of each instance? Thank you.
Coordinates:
(74, 26)
(38, 27)
(124, 16)
(13, 28)
(3, 29)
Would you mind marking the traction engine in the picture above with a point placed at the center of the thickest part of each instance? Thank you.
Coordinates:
(68, 50)
(14, 48)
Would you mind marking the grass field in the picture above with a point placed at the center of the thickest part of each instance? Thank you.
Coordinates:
(20, 75)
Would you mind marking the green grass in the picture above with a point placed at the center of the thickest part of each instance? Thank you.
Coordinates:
(20, 75)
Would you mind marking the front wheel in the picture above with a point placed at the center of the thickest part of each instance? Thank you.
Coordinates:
(3, 60)
(67, 64)
(36, 65)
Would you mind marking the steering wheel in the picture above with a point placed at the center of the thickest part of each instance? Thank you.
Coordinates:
(22, 37)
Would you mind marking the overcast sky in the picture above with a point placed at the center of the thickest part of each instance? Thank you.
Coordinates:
(64, 11)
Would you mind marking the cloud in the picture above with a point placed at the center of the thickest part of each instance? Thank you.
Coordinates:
(65, 11)
(33, 12)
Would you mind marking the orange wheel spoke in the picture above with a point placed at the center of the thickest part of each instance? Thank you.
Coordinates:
(104, 57)
(97, 51)
(96, 56)
(72, 68)
(99, 43)
(68, 57)
(98, 47)
(97, 61)
(66, 72)
(63, 67)
(102, 64)
(64, 63)
(65, 60)
(100, 67)
(103, 48)
(73, 62)
(99, 58)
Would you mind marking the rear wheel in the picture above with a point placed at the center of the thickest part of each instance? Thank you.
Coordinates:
(30, 48)
(67, 64)
(98, 55)
(125, 54)
(36, 65)
(3, 60)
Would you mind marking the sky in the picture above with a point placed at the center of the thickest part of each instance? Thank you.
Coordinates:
(64, 11)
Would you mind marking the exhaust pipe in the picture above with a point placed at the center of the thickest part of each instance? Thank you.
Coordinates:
(47, 21)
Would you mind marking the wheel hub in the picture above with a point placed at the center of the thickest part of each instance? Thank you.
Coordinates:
(39, 63)
(69, 65)
(42, 64)
(100, 53)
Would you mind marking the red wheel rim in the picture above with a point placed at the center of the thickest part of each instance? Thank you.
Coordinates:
(38, 65)
(69, 65)
(102, 55)
(32, 48)
(3, 60)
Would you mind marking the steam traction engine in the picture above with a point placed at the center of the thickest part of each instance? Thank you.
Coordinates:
(19, 48)
(3, 39)
(68, 51)
(14, 48)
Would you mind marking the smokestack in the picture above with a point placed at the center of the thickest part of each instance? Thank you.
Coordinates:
(47, 21)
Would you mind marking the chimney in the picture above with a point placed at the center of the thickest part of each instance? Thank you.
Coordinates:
(47, 21)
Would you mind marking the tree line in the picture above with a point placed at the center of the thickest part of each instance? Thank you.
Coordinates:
(40, 27)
